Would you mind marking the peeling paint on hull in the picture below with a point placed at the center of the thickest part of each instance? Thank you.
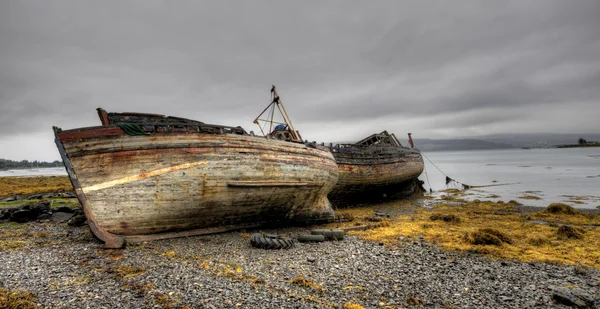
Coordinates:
(179, 184)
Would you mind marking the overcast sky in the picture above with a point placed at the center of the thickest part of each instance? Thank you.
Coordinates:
(344, 69)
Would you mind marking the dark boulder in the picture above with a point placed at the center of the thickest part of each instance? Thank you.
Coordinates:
(63, 209)
(39, 208)
(4, 214)
(77, 220)
(61, 216)
(26, 212)
(68, 195)
(11, 198)
(382, 214)
(35, 197)
(21, 216)
(576, 298)
(44, 216)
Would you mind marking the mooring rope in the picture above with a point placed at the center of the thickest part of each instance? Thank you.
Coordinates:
(454, 181)
(434, 165)
(448, 179)
(427, 177)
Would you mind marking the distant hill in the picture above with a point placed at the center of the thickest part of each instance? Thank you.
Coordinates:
(458, 144)
(502, 141)
(536, 140)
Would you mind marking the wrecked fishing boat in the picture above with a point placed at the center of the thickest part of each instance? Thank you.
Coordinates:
(374, 169)
(158, 177)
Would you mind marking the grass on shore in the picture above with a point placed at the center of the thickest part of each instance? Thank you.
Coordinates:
(25, 186)
(54, 202)
(496, 229)
(32, 185)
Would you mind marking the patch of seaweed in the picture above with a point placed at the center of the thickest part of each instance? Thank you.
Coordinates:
(560, 208)
(350, 305)
(539, 241)
(32, 185)
(10, 299)
(567, 231)
(488, 236)
(305, 283)
(414, 301)
(126, 271)
(13, 245)
(530, 197)
(530, 241)
(446, 218)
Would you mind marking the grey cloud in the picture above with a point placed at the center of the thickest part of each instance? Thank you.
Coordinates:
(345, 62)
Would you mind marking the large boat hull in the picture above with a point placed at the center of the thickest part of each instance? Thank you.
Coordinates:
(179, 184)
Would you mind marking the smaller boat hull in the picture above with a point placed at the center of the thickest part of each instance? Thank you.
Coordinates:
(375, 172)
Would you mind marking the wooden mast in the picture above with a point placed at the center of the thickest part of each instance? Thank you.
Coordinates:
(276, 102)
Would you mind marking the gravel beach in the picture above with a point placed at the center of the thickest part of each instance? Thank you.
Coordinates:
(66, 267)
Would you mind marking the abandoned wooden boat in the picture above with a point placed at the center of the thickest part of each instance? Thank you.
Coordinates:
(374, 169)
(172, 177)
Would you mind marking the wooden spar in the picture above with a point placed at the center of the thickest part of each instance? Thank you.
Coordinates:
(264, 110)
(410, 141)
(396, 140)
(103, 116)
(285, 114)
(271, 122)
(258, 118)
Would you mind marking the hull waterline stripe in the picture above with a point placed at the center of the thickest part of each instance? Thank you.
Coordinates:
(128, 179)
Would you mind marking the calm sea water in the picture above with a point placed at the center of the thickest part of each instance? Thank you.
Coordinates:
(570, 175)
(48, 171)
